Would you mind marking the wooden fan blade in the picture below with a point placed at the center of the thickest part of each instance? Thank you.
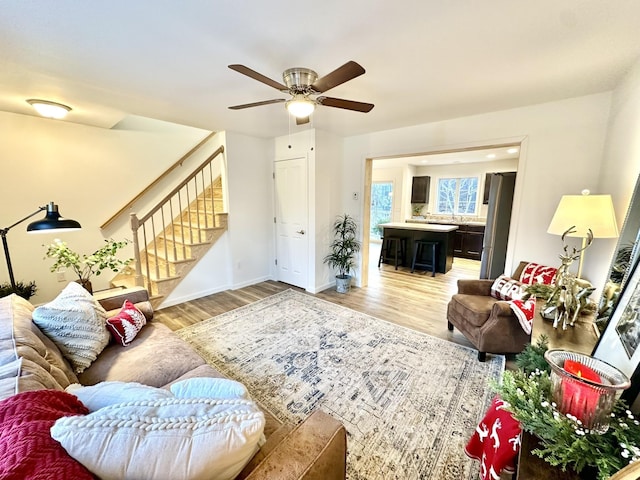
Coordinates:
(258, 76)
(346, 72)
(346, 104)
(257, 104)
(302, 121)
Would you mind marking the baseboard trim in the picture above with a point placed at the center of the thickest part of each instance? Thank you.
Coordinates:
(170, 302)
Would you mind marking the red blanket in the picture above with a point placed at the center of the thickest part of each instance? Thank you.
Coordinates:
(27, 451)
(496, 441)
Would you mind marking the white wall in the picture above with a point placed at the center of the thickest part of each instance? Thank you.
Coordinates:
(328, 186)
(89, 172)
(561, 153)
(620, 163)
(250, 184)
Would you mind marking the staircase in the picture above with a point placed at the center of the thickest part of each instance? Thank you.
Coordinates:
(173, 243)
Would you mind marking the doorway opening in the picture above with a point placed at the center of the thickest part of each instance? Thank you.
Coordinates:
(476, 161)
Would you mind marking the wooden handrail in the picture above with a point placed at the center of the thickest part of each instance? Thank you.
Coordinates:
(181, 184)
(179, 163)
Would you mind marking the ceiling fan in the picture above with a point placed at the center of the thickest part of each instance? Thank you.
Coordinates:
(303, 85)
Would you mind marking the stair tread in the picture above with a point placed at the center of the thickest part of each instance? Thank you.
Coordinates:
(178, 240)
(195, 227)
(171, 260)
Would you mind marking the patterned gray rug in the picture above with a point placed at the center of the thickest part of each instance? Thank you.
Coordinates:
(409, 401)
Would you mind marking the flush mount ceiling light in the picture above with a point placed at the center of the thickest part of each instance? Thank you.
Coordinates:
(49, 109)
(300, 106)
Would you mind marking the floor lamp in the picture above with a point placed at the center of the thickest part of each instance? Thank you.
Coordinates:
(584, 212)
(51, 221)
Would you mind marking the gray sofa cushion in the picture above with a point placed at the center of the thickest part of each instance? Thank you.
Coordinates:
(39, 362)
(156, 357)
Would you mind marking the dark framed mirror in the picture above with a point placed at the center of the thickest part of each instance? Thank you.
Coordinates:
(624, 257)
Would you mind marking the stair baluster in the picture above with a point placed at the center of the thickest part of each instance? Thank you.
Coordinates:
(170, 252)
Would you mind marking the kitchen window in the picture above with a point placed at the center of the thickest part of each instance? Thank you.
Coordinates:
(457, 196)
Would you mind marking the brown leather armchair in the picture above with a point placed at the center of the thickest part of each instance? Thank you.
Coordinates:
(488, 323)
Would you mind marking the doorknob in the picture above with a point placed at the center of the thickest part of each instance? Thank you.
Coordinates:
(301, 232)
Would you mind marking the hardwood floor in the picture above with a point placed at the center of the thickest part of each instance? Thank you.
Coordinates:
(416, 301)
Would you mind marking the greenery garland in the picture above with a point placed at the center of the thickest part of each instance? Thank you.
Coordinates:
(564, 441)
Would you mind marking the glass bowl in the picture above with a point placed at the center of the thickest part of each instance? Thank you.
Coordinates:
(589, 401)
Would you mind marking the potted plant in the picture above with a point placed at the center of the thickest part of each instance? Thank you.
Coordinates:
(344, 247)
(85, 266)
(24, 290)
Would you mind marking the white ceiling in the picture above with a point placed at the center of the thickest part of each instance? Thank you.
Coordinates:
(426, 60)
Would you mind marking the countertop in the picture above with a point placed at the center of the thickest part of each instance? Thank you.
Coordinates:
(446, 222)
(424, 227)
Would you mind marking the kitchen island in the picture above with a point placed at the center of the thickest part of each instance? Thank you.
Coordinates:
(443, 234)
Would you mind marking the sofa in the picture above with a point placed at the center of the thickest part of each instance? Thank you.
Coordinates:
(313, 450)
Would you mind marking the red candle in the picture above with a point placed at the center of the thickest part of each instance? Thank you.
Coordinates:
(579, 399)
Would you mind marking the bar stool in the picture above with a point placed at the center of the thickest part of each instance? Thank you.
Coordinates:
(431, 262)
(395, 245)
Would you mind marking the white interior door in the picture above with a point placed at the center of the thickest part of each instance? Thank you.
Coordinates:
(292, 219)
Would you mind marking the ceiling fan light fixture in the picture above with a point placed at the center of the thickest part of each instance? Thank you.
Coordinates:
(300, 106)
(49, 109)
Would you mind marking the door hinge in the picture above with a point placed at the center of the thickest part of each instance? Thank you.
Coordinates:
(273, 175)
(276, 261)
(274, 219)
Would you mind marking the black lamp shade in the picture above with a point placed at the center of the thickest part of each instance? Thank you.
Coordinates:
(52, 221)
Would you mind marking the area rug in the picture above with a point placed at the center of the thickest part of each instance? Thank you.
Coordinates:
(409, 401)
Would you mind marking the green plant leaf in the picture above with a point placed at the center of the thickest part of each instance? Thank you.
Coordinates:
(85, 266)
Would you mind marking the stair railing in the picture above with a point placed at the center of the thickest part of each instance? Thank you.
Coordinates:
(186, 207)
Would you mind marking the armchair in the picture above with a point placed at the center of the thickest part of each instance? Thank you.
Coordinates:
(488, 323)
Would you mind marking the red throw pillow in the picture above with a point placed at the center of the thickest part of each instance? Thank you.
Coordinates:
(536, 273)
(27, 450)
(126, 324)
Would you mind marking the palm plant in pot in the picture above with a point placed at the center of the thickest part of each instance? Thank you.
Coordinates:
(344, 247)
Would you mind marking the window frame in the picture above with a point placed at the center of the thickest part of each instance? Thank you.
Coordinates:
(456, 206)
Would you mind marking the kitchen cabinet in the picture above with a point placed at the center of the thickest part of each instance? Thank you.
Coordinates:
(420, 189)
(468, 241)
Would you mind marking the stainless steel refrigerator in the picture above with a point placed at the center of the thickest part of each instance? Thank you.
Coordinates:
(496, 232)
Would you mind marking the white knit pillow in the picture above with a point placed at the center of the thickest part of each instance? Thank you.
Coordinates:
(103, 394)
(75, 322)
(186, 439)
(209, 387)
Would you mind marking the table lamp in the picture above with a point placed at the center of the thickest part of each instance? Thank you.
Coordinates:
(584, 212)
(51, 221)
